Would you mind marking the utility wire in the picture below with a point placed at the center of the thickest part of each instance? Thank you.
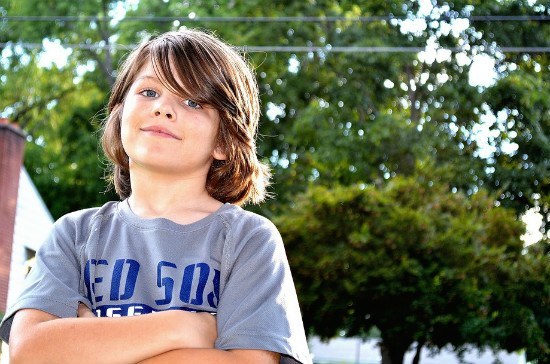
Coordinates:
(264, 19)
(291, 49)
(352, 49)
(269, 48)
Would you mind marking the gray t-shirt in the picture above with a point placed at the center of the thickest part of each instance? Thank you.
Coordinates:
(231, 263)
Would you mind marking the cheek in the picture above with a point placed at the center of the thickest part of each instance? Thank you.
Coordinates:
(123, 135)
(126, 139)
(124, 130)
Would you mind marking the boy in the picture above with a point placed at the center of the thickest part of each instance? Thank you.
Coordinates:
(176, 271)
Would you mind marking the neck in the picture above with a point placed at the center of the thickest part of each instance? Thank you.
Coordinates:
(180, 200)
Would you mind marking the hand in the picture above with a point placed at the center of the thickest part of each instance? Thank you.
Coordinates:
(193, 329)
(84, 311)
(207, 328)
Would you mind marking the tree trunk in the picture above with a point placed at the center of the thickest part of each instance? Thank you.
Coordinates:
(392, 354)
(385, 355)
(418, 352)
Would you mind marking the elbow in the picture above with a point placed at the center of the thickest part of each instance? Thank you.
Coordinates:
(17, 354)
(21, 352)
(28, 342)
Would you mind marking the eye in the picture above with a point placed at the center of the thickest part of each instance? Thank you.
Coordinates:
(192, 104)
(149, 93)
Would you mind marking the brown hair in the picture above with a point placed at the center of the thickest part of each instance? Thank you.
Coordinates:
(214, 74)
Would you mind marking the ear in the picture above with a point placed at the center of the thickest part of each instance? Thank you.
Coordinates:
(219, 154)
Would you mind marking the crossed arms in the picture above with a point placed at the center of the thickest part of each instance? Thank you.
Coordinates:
(165, 337)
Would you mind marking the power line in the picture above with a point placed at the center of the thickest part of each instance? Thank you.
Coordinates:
(264, 19)
(291, 49)
(353, 49)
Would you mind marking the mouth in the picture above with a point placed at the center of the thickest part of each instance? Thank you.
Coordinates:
(160, 132)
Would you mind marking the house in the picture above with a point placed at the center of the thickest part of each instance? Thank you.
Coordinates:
(24, 219)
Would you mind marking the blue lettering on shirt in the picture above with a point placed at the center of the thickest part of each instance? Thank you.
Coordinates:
(90, 286)
(134, 309)
(119, 279)
(166, 282)
(131, 277)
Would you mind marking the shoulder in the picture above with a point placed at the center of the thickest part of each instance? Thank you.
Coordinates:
(82, 220)
(251, 237)
(244, 223)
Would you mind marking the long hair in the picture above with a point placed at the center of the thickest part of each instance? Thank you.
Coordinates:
(215, 74)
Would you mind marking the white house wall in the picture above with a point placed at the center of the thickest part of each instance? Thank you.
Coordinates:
(33, 222)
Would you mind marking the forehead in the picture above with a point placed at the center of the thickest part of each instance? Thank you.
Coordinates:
(146, 71)
(168, 78)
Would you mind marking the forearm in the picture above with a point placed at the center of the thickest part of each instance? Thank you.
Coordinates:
(96, 340)
(214, 356)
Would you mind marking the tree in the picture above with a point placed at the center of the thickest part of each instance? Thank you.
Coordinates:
(536, 293)
(522, 177)
(62, 150)
(331, 116)
(372, 119)
(59, 106)
(413, 260)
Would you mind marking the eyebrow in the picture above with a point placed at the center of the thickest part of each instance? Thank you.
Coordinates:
(155, 78)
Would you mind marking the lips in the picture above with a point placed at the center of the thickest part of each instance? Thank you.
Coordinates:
(160, 131)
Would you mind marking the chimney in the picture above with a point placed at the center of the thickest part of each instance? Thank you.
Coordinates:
(12, 142)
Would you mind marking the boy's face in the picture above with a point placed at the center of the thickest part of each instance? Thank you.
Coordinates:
(164, 133)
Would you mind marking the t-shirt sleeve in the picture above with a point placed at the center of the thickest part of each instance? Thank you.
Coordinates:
(53, 283)
(258, 307)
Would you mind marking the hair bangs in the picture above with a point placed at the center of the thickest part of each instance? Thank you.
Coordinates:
(175, 64)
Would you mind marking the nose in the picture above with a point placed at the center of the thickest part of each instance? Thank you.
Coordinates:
(168, 114)
(163, 108)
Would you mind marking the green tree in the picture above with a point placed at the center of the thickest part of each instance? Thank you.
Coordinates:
(59, 107)
(522, 100)
(62, 147)
(413, 260)
(334, 118)
(534, 291)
